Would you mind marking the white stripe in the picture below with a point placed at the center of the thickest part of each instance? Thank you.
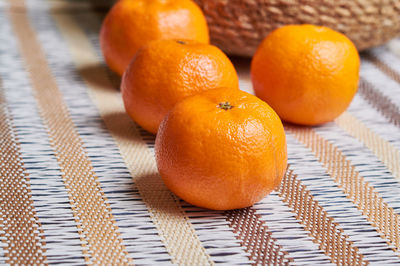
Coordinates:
(289, 233)
(214, 233)
(384, 55)
(394, 46)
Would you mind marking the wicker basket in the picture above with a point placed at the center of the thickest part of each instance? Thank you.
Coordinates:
(238, 26)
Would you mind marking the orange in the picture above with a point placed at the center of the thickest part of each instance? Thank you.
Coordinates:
(308, 74)
(131, 24)
(164, 72)
(221, 149)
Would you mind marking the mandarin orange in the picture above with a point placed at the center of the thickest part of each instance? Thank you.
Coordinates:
(308, 74)
(221, 149)
(132, 24)
(166, 71)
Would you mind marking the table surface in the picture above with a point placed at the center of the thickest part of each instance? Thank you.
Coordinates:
(79, 184)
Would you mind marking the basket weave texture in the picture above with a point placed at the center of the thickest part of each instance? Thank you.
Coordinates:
(238, 26)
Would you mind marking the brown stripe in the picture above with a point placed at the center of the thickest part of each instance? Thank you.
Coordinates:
(322, 228)
(172, 223)
(381, 102)
(383, 67)
(362, 194)
(255, 238)
(101, 240)
(21, 231)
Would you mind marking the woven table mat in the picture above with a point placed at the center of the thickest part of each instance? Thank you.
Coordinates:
(79, 184)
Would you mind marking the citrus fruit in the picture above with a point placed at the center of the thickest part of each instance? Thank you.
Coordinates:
(308, 74)
(131, 24)
(166, 71)
(221, 149)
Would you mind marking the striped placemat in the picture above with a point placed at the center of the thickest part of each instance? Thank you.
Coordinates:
(79, 184)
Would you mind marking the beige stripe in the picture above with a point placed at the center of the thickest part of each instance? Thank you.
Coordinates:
(21, 232)
(384, 151)
(363, 195)
(331, 239)
(98, 231)
(178, 234)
